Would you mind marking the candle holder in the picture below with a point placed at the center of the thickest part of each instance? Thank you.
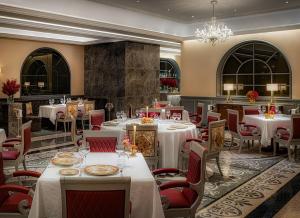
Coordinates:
(133, 150)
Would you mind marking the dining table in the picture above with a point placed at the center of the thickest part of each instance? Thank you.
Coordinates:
(267, 125)
(172, 134)
(2, 136)
(144, 193)
(50, 111)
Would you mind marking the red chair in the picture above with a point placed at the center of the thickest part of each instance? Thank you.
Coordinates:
(182, 198)
(242, 131)
(251, 110)
(15, 200)
(211, 117)
(95, 197)
(197, 118)
(96, 118)
(176, 112)
(14, 152)
(102, 144)
(288, 137)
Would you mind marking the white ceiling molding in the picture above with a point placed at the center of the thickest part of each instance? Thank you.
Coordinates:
(88, 19)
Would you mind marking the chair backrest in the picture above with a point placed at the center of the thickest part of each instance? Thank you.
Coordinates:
(102, 133)
(232, 120)
(152, 112)
(145, 139)
(26, 137)
(102, 144)
(95, 197)
(162, 104)
(96, 118)
(3, 194)
(88, 106)
(176, 112)
(213, 116)
(216, 136)
(251, 110)
(295, 126)
(200, 112)
(72, 110)
(28, 108)
(196, 175)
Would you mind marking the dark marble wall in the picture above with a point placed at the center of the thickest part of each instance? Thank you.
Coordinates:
(123, 72)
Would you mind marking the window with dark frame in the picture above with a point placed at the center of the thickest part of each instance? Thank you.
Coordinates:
(252, 65)
(45, 72)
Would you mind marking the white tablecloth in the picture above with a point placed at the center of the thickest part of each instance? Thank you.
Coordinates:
(49, 111)
(2, 136)
(144, 193)
(170, 141)
(268, 126)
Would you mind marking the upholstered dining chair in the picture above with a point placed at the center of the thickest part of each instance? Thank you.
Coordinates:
(95, 197)
(14, 154)
(242, 131)
(146, 142)
(15, 200)
(176, 112)
(36, 120)
(289, 138)
(197, 118)
(211, 116)
(96, 118)
(84, 115)
(152, 112)
(214, 143)
(251, 110)
(102, 144)
(68, 116)
(182, 198)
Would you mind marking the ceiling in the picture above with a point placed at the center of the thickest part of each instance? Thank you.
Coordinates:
(190, 11)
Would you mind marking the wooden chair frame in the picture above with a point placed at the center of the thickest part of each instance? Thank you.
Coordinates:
(88, 106)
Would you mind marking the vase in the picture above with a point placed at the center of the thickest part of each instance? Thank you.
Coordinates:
(10, 99)
(251, 100)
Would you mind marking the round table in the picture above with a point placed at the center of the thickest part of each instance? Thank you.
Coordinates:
(170, 141)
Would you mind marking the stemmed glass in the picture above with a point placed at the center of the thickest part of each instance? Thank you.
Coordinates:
(168, 114)
(263, 109)
(85, 151)
(122, 155)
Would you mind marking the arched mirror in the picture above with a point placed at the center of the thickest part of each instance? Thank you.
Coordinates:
(45, 72)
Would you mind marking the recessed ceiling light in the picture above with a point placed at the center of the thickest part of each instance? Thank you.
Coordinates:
(286, 2)
(137, 1)
(169, 9)
(193, 16)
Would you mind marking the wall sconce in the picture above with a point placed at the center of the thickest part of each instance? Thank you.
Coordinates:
(228, 87)
(273, 87)
(41, 85)
(26, 84)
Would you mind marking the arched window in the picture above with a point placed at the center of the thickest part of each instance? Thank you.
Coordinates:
(44, 72)
(251, 65)
(169, 76)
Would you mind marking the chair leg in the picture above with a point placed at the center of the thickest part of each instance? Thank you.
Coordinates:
(65, 127)
(241, 144)
(274, 148)
(55, 125)
(231, 144)
(24, 164)
(82, 123)
(218, 164)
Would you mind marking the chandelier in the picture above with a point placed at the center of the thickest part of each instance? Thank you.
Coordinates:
(213, 31)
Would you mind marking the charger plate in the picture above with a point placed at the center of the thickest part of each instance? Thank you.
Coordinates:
(101, 170)
(65, 161)
(65, 154)
(69, 172)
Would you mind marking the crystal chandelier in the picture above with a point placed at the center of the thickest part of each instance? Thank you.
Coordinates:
(213, 31)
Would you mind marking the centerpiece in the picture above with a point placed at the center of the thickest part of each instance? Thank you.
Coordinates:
(252, 95)
(147, 120)
(10, 88)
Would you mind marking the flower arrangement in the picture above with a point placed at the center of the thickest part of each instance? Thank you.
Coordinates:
(252, 95)
(10, 88)
(168, 82)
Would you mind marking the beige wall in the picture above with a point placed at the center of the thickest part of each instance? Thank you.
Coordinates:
(13, 52)
(199, 61)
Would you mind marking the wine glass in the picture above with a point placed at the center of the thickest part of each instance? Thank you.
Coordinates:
(62, 101)
(85, 151)
(137, 113)
(118, 115)
(263, 109)
(168, 114)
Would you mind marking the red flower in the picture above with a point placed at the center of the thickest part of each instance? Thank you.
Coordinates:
(168, 82)
(10, 87)
(252, 94)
